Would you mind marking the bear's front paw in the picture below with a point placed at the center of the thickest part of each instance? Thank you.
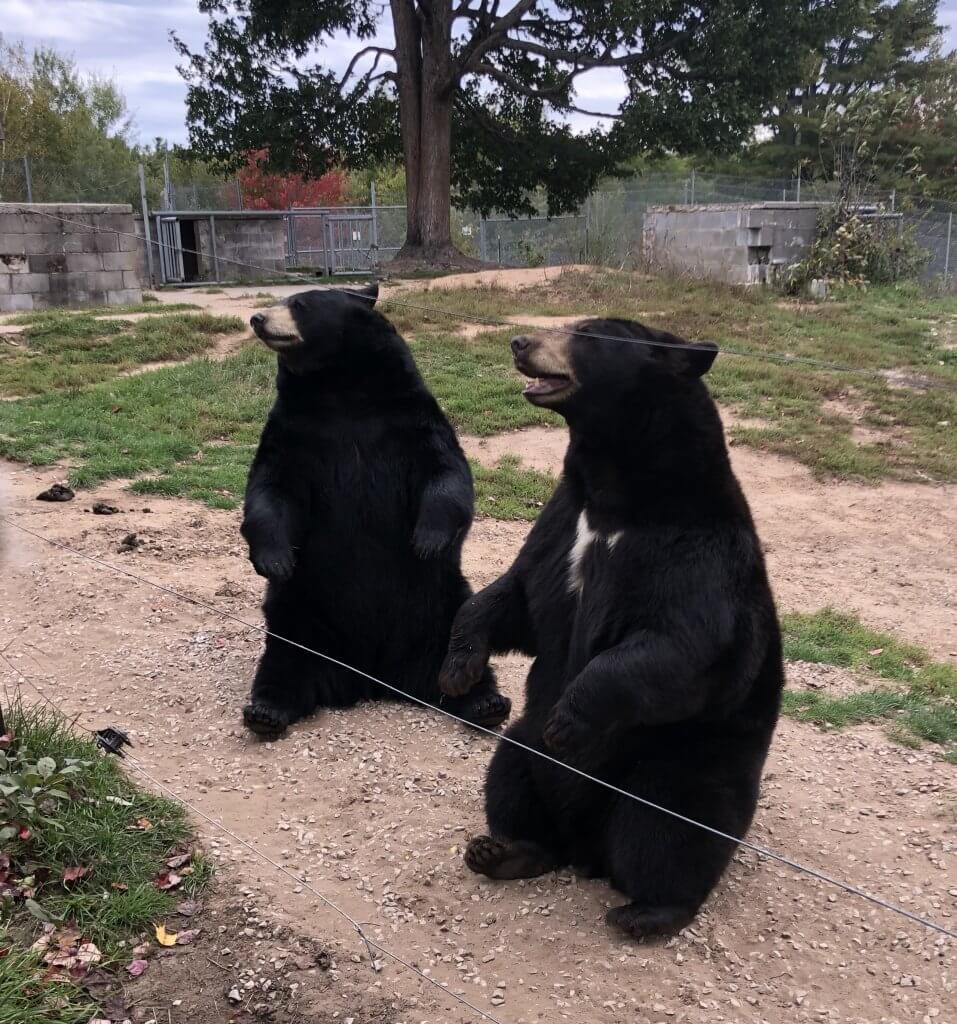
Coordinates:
(430, 542)
(463, 667)
(275, 564)
(566, 732)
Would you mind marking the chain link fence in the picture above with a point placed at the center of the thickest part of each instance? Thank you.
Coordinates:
(606, 230)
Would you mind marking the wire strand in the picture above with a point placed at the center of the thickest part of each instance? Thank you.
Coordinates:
(780, 358)
(370, 944)
(761, 851)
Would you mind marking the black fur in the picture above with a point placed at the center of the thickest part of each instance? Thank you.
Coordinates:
(664, 675)
(357, 504)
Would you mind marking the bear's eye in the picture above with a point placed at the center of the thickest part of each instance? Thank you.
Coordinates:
(296, 305)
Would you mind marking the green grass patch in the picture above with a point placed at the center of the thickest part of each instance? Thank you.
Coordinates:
(921, 706)
(191, 430)
(804, 413)
(148, 305)
(29, 996)
(68, 351)
(476, 383)
(509, 492)
(121, 834)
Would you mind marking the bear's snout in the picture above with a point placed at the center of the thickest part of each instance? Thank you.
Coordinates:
(257, 320)
(521, 344)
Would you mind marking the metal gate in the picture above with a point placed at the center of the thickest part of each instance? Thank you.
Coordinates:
(338, 243)
(350, 243)
(171, 250)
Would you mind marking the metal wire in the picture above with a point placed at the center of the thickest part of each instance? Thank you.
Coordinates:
(370, 944)
(780, 358)
(761, 851)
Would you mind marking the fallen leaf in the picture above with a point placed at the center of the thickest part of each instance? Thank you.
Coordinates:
(119, 886)
(163, 937)
(6, 740)
(137, 967)
(185, 938)
(876, 651)
(24, 833)
(168, 880)
(74, 874)
(88, 954)
(143, 824)
(141, 950)
(189, 908)
(179, 860)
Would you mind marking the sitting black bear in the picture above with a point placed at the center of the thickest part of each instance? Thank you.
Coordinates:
(642, 595)
(358, 502)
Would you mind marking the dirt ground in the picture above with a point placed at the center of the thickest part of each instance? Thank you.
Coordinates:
(375, 804)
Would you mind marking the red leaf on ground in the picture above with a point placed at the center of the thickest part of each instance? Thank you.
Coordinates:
(185, 938)
(74, 874)
(6, 740)
(168, 880)
(24, 833)
(137, 967)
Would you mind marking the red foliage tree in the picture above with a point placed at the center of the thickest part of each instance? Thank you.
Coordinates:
(264, 191)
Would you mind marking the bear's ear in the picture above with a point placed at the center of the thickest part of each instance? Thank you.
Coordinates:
(698, 360)
(370, 293)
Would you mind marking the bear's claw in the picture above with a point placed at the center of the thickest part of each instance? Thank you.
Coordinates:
(267, 722)
(488, 711)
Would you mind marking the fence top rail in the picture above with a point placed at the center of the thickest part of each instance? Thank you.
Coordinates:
(330, 211)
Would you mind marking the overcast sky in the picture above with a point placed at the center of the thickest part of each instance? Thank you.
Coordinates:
(128, 40)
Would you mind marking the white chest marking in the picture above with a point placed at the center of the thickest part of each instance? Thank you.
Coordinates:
(585, 536)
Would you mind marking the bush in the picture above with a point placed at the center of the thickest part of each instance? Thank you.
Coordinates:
(854, 250)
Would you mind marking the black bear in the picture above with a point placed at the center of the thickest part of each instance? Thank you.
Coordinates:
(357, 504)
(642, 595)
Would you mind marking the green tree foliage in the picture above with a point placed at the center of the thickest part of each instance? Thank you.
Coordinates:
(474, 94)
(887, 56)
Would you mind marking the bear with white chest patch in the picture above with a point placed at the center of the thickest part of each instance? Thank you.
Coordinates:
(641, 594)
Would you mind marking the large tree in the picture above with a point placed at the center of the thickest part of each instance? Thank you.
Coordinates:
(476, 95)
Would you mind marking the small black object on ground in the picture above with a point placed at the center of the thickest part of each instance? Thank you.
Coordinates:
(130, 543)
(101, 508)
(58, 492)
(112, 740)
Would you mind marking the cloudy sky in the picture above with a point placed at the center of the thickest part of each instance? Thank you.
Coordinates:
(128, 40)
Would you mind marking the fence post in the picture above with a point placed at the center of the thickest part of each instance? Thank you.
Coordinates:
(212, 246)
(798, 187)
(893, 200)
(167, 185)
(499, 250)
(147, 239)
(950, 233)
(239, 194)
(482, 247)
(375, 219)
(28, 178)
(692, 186)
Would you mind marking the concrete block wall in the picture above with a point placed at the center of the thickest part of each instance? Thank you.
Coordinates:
(245, 240)
(738, 243)
(87, 259)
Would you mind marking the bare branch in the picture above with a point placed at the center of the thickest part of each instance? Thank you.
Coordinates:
(552, 95)
(379, 51)
(486, 37)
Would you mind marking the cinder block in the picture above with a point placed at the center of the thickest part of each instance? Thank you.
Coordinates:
(40, 245)
(119, 260)
(24, 283)
(11, 224)
(124, 297)
(128, 243)
(13, 264)
(131, 279)
(5, 280)
(106, 280)
(52, 264)
(12, 244)
(88, 261)
(79, 242)
(107, 241)
(15, 303)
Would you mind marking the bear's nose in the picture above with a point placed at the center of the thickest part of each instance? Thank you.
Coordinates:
(521, 344)
(257, 320)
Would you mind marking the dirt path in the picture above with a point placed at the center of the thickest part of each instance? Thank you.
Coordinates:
(376, 803)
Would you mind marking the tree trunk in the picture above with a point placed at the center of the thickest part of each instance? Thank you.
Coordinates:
(423, 59)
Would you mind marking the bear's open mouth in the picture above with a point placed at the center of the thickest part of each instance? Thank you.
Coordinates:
(547, 384)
